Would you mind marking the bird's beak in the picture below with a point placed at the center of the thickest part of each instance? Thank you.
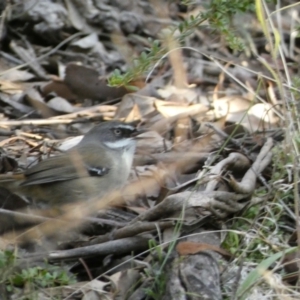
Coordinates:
(139, 131)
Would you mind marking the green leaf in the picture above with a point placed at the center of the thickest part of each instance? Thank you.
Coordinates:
(258, 272)
(18, 280)
(131, 88)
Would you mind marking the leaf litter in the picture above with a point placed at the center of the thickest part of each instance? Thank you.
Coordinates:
(205, 160)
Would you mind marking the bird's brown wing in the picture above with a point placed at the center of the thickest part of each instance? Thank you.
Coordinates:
(68, 166)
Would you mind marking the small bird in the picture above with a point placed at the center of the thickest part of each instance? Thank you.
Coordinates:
(99, 164)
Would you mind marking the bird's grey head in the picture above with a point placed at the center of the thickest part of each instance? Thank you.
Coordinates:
(113, 134)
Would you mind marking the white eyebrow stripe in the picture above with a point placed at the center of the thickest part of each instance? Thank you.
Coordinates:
(126, 127)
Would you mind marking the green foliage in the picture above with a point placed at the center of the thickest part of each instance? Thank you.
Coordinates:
(297, 29)
(258, 273)
(268, 219)
(156, 291)
(232, 243)
(247, 223)
(141, 65)
(282, 172)
(219, 14)
(296, 84)
(35, 277)
(156, 273)
(7, 259)
(282, 181)
(42, 277)
(280, 160)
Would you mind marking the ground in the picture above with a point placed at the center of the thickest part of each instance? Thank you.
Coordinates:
(210, 205)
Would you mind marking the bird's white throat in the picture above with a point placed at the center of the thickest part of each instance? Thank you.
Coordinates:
(127, 157)
(126, 147)
(124, 143)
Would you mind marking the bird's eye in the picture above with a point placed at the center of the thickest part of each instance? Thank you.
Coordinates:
(117, 131)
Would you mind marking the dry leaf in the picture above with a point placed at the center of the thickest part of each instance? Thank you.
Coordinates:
(92, 87)
(188, 248)
(17, 75)
(10, 87)
(61, 105)
(169, 109)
